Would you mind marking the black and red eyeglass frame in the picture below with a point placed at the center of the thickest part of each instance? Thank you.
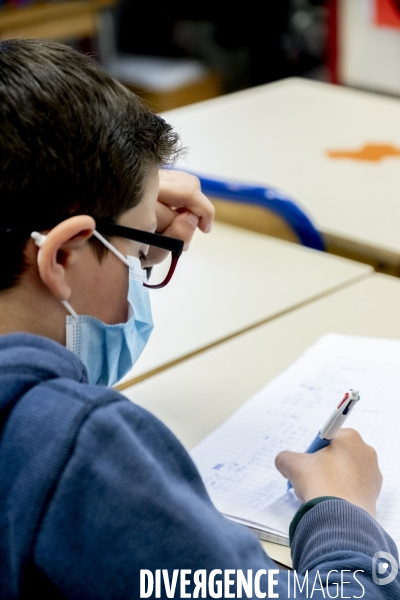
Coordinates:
(164, 242)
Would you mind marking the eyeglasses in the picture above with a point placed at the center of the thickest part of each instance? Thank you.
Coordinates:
(165, 262)
(159, 262)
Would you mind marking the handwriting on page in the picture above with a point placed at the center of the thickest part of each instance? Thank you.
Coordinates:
(237, 460)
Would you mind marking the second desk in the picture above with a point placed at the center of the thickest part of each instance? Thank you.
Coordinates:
(229, 281)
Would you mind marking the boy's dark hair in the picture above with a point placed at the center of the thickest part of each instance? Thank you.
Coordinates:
(73, 141)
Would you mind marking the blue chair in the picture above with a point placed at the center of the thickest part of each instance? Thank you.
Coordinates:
(270, 199)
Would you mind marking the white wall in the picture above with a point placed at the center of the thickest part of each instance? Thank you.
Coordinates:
(369, 56)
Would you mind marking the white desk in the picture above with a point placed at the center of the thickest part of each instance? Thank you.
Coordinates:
(198, 395)
(230, 280)
(277, 134)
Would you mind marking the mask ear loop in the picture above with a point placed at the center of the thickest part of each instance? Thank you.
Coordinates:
(39, 240)
(111, 247)
(137, 272)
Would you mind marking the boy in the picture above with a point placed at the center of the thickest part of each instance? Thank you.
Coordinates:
(94, 489)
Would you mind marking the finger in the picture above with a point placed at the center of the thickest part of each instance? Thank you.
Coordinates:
(349, 440)
(184, 191)
(288, 463)
(348, 432)
(183, 227)
(165, 216)
(196, 202)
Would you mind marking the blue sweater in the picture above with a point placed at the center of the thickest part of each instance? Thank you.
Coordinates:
(94, 488)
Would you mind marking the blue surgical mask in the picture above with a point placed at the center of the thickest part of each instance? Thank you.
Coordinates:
(110, 351)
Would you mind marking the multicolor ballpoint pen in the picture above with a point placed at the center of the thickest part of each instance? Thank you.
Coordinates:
(334, 423)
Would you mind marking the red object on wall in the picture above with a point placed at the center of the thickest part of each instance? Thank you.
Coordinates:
(387, 13)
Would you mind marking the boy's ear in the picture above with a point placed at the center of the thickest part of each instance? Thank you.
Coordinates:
(59, 250)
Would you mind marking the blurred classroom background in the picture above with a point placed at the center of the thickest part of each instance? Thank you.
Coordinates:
(174, 56)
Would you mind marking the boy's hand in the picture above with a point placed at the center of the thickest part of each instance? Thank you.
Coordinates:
(347, 468)
(182, 206)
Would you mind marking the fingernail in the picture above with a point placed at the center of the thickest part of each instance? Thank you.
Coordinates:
(193, 220)
(208, 228)
(186, 247)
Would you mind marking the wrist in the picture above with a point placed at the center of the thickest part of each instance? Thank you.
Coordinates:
(362, 501)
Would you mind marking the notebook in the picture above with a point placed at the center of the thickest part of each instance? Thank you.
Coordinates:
(236, 461)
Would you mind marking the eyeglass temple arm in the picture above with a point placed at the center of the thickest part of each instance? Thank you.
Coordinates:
(174, 262)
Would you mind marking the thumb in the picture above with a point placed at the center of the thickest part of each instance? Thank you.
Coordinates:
(289, 463)
(183, 227)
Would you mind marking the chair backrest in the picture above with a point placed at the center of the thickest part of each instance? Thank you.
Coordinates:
(270, 199)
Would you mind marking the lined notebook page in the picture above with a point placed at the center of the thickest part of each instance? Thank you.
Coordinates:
(237, 460)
